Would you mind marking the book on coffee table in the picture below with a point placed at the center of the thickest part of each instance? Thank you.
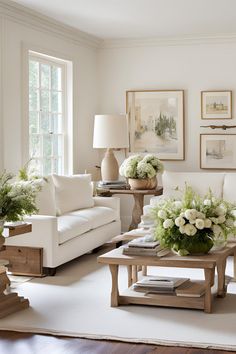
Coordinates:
(191, 289)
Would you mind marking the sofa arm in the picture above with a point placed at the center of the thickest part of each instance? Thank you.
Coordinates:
(44, 234)
(109, 202)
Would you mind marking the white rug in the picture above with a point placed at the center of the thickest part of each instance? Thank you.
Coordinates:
(76, 302)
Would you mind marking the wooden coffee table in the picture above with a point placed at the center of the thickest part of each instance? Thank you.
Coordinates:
(208, 263)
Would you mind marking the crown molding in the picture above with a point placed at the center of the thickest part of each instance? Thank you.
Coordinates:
(168, 41)
(33, 19)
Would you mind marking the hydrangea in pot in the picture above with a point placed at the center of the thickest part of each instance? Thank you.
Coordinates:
(193, 225)
(141, 171)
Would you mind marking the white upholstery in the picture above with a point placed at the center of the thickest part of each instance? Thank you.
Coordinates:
(77, 231)
(46, 198)
(72, 192)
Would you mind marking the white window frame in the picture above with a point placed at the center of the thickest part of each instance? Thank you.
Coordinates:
(67, 104)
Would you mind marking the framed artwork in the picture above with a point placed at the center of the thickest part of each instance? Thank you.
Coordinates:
(156, 123)
(216, 104)
(218, 151)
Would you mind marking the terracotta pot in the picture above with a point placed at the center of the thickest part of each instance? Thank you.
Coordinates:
(147, 183)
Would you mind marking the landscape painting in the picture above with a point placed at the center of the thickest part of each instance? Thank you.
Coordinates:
(156, 123)
(218, 151)
(216, 104)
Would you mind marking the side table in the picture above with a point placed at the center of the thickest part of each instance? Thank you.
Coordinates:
(10, 302)
(138, 196)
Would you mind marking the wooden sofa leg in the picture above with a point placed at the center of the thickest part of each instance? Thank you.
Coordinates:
(49, 271)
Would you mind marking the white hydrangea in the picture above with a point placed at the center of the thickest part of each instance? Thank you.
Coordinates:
(207, 202)
(207, 223)
(190, 230)
(162, 214)
(190, 214)
(200, 224)
(179, 221)
(168, 223)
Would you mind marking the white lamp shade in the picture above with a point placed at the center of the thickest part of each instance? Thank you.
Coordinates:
(110, 131)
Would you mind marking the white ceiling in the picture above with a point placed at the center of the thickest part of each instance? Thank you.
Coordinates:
(111, 19)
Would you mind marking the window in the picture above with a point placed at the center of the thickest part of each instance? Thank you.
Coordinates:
(48, 128)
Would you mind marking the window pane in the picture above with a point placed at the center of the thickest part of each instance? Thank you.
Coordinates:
(47, 166)
(45, 76)
(57, 145)
(33, 73)
(34, 146)
(57, 166)
(33, 99)
(44, 123)
(47, 145)
(56, 102)
(33, 122)
(44, 100)
(56, 123)
(35, 167)
(56, 78)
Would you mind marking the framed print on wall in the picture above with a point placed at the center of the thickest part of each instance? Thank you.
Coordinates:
(218, 151)
(216, 104)
(156, 122)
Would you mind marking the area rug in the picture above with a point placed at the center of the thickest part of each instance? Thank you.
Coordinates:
(76, 302)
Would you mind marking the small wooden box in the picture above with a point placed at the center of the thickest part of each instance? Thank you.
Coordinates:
(24, 260)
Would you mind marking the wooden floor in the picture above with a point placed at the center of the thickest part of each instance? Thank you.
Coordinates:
(23, 343)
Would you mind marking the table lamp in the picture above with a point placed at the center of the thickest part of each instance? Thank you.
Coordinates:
(110, 131)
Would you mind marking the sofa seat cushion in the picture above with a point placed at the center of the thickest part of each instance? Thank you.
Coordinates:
(97, 216)
(70, 226)
(199, 181)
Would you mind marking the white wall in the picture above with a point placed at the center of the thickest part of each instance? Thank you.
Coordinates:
(192, 68)
(14, 37)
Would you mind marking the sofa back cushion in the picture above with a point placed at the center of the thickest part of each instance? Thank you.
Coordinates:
(199, 181)
(229, 190)
(45, 200)
(73, 192)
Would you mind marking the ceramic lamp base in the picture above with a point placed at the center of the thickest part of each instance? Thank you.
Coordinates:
(109, 167)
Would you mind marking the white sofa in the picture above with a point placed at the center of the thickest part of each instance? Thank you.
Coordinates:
(222, 185)
(71, 222)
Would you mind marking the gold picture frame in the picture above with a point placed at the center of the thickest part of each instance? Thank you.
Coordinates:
(156, 122)
(218, 151)
(216, 104)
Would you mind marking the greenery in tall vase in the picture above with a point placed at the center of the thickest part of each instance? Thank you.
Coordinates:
(17, 198)
(194, 224)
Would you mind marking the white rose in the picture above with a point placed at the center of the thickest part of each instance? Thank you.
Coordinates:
(217, 230)
(233, 213)
(177, 204)
(179, 221)
(162, 214)
(207, 202)
(168, 223)
(207, 223)
(229, 222)
(201, 215)
(182, 229)
(182, 215)
(200, 224)
(192, 221)
(190, 214)
(190, 230)
(221, 219)
(220, 210)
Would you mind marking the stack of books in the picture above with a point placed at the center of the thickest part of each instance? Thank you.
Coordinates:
(143, 246)
(113, 185)
(159, 285)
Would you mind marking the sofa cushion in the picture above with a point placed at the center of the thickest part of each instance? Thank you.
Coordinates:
(229, 190)
(97, 216)
(70, 226)
(73, 192)
(45, 200)
(199, 181)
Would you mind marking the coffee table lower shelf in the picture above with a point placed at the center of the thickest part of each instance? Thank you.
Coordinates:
(129, 296)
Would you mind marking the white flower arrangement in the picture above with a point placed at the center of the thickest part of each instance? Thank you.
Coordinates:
(194, 224)
(137, 166)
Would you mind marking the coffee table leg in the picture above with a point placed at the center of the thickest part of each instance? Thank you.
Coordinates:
(129, 270)
(114, 288)
(209, 273)
(144, 270)
(221, 291)
(134, 274)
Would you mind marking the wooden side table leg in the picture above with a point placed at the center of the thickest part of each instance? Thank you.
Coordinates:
(137, 210)
(221, 291)
(208, 279)
(114, 288)
(129, 270)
